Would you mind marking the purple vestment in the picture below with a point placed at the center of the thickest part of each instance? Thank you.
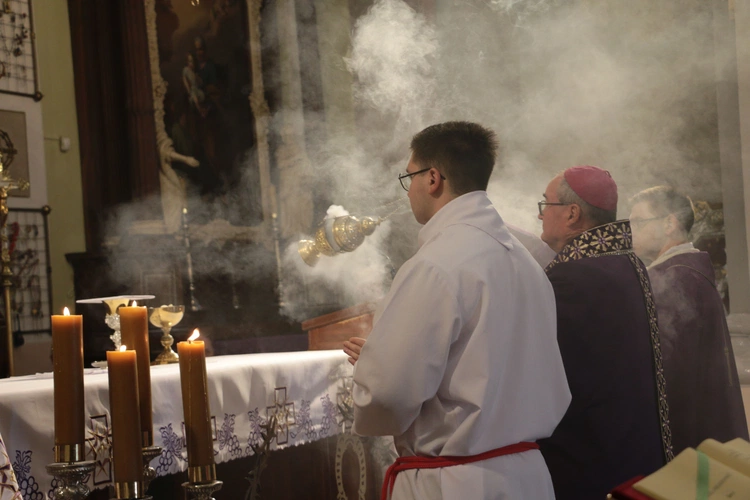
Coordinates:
(617, 425)
(703, 389)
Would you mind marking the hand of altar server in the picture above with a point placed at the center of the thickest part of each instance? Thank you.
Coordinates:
(353, 347)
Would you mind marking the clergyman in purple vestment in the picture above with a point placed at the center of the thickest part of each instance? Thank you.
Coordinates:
(703, 388)
(617, 425)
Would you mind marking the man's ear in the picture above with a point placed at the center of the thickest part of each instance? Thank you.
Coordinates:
(575, 215)
(435, 182)
(671, 225)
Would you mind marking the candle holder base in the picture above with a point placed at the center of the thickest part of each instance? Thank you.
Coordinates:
(149, 473)
(72, 476)
(202, 491)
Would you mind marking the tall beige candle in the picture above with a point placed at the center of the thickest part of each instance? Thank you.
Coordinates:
(67, 360)
(134, 329)
(123, 406)
(195, 402)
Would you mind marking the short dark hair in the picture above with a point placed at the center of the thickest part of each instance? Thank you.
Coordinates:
(595, 215)
(463, 152)
(666, 200)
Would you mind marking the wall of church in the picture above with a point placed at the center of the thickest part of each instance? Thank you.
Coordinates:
(63, 168)
(52, 118)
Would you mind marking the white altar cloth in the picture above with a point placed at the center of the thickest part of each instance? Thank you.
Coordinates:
(303, 389)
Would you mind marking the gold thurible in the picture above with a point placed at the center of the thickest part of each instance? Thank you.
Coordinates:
(337, 235)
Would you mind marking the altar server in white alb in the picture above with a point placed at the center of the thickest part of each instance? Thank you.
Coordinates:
(462, 365)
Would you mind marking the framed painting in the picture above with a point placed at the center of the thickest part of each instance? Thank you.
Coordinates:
(210, 126)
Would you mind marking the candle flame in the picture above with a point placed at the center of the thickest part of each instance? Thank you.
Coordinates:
(66, 312)
(135, 304)
(194, 336)
(123, 348)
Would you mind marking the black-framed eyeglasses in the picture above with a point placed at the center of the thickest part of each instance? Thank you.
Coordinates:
(405, 179)
(542, 204)
(638, 223)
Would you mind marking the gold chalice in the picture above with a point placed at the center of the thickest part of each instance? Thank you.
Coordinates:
(112, 318)
(165, 317)
(337, 235)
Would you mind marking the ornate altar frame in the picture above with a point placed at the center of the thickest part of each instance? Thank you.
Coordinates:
(172, 186)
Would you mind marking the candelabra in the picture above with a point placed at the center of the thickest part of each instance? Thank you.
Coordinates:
(202, 483)
(70, 472)
(277, 251)
(149, 473)
(194, 305)
(7, 153)
(71, 475)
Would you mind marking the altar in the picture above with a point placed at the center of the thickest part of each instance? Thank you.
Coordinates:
(307, 392)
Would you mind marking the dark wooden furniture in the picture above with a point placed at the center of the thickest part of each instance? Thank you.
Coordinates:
(331, 330)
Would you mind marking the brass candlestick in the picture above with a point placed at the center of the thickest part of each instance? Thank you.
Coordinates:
(337, 235)
(71, 475)
(149, 473)
(7, 152)
(166, 317)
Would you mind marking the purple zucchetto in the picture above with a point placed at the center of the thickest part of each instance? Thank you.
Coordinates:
(594, 185)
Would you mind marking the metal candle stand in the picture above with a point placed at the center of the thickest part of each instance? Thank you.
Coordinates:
(202, 491)
(202, 483)
(71, 472)
(72, 476)
(149, 473)
(194, 305)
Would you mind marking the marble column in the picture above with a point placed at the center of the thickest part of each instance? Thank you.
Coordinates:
(732, 42)
(732, 48)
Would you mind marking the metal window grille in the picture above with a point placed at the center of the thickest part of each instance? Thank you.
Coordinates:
(31, 294)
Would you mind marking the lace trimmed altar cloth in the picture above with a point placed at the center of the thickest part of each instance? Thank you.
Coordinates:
(303, 390)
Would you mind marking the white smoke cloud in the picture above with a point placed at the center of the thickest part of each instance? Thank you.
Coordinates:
(347, 278)
(392, 57)
(629, 86)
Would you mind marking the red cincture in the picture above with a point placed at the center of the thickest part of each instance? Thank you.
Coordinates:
(406, 463)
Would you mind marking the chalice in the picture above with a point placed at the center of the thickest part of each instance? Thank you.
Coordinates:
(165, 317)
(112, 318)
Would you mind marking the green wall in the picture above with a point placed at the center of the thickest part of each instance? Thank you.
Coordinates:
(64, 192)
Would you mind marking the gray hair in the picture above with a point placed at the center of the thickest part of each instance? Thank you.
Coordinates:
(597, 216)
(667, 200)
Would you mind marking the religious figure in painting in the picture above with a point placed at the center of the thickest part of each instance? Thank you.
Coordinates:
(206, 63)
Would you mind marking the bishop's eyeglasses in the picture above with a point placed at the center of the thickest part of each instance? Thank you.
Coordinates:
(405, 179)
(541, 204)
